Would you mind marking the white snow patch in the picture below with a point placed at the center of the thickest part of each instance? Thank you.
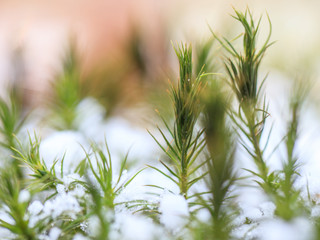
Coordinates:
(267, 209)
(5, 216)
(61, 189)
(174, 211)
(276, 229)
(24, 196)
(54, 233)
(62, 203)
(90, 116)
(134, 227)
(62, 143)
(35, 207)
(123, 137)
(94, 226)
(79, 236)
(203, 215)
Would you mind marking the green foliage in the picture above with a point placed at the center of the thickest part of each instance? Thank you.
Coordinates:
(103, 186)
(288, 200)
(43, 178)
(67, 92)
(10, 190)
(11, 119)
(98, 209)
(221, 175)
(243, 70)
(204, 59)
(103, 173)
(187, 142)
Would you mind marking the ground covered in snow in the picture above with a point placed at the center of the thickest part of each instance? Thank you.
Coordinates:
(170, 215)
(140, 211)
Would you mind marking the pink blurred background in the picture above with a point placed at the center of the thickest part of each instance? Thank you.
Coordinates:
(35, 34)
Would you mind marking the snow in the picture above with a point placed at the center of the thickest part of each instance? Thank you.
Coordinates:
(62, 203)
(93, 227)
(67, 144)
(79, 236)
(5, 216)
(61, 189)
(24, 196)
(267, 209)
(68, 179)
(174, 212)
(255, 221)
(276, 229)
(89, 111)
(134, 227)
(121, 136)
(35, 207)
(203, 215)
(54, 233)
(315, 212)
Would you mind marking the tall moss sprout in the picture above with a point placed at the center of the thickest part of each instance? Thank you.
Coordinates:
(187, 143)
(243, 72)
(67, 92)
(221, 173)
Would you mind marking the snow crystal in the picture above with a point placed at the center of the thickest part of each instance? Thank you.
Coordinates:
(94, 225)
(84, 226)
(24, 196)
(315, 212)
(63, 203)
(90, 116)
(252, 213)
(68, 179)
(79, 236)
(54, 233)
(4, 216)
(267, 209)
(35, 207)
(245, 231)
(6, 234)
(130, 227)
(78, 192)
(64, 143)
(249, 196)
(134, 227)
(311, 187)
(174, 211)
(124, 136)
(203, 215)
(276, 229)
(60, 189)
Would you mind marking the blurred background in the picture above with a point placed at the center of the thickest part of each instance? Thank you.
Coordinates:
(100, 68)
(124, 47)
